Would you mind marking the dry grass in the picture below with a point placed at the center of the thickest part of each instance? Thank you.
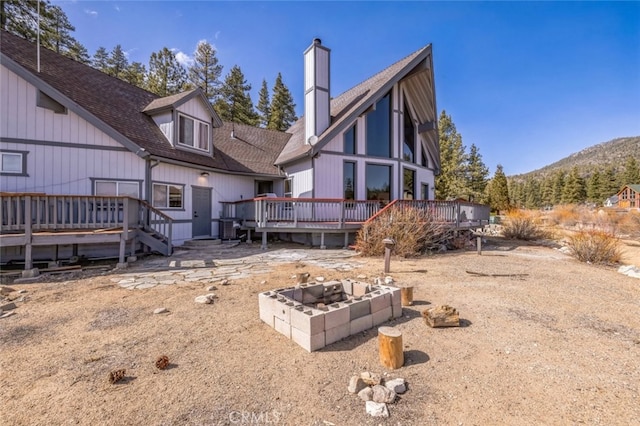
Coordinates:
(594, 246)
(523, 225)
(565, 215)
(414, 230)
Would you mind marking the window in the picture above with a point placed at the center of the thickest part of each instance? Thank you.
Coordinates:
(350, 140)
(264, 187)
(167, 196)
(425, 191)
(108, 188)
(409, 145)
(288, 187)
(14, 163)
(193, 133)
(378, 179)
(409, 186)
(425, 162)
(349, 180)
(379, 129)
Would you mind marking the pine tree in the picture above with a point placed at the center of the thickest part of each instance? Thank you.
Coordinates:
(117, 62)
(100, 60)
(282, 110)
(58, 35)
(205, 71)
(20, 17)
(532, 198)
(558, 187)
(499, 191)
(235, 102)
(166, 76)
(594, 188)
(78, 53)
(477, 174)
(610, 183)
(574, 189)
(546, 192)
(263, 107)
(631, 175)
(135, 74)
(451, 181)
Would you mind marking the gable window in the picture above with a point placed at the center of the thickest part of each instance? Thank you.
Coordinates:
(13, 163)
(378, 182)
(409, 145)
(350, 140)
(167, 196)
(409, 185)
(193, 133)
(349, 180)
(107, 188)
(379, 129)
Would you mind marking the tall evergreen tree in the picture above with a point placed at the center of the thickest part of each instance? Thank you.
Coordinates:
(206, 71)
(100, 60)
(166, 76)
(499, 191)
(451, 182)
(532, 197)
(574, 188)
(558, 186)
(135, 74)
(78, 53)
(264, 107)
(58, 37)
(477, 174)
(117, 62)
(546, 192)
(235, 102)
(631, 175)
(610, 182)
(594, 188)
(282, 110)
(20, 17)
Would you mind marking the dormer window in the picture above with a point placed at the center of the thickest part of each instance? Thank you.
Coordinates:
(193, 133)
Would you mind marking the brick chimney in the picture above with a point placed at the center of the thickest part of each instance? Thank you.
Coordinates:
(317, 116)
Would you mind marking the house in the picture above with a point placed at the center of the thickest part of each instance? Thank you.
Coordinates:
(629, 197)
(611, 201)
(81, 149)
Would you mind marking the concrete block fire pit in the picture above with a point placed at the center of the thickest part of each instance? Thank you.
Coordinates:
(315, 315)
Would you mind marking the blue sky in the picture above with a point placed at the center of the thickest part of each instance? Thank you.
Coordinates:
(527, 82)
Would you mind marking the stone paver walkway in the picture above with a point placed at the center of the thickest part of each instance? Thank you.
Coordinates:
(226, 262)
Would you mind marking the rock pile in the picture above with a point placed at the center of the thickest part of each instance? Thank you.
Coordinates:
(376, 393)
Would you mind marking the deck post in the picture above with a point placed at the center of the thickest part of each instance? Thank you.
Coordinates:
(346, 240)
(249, 235)
(322, 246)
(125, 232)
(264, 240)
(29, 270)
(479, 244)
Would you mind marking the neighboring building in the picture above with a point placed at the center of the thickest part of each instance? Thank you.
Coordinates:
(629, 197)
(611, 201)
(69, 129)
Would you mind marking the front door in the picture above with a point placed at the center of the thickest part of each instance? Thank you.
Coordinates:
(201, 205)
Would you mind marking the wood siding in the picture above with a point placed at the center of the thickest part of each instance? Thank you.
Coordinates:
(302, 175)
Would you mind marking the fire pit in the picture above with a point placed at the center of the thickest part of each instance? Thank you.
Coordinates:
(315, 315)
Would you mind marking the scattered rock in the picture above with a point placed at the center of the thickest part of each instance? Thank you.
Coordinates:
(302, 277)
(225, 282)
(6, 290)
(7, 307)
(212, 288)
(383, 394)
(7, 314)
(376, 409)
(366, 394)
(263, 282)
(362, 277)
(206, 299)
(441, 316)
(370, 379)
(630, 270)
(397, 385)
(117, 375)
(320, 279)
(162, 362)
(160, 311)
(356, 384)
(388, 280)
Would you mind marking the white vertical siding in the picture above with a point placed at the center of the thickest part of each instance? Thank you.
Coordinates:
(195, 108)
(165, 122)
(322, 68)
(302, 175)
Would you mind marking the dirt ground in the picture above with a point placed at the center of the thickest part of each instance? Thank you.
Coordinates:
(547, 341)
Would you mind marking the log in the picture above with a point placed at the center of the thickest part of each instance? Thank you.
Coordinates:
(441, 316)
(406, 296)
(390, 347)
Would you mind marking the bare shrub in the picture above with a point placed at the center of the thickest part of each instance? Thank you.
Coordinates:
(523, 225)
(594, 246)
(629, 223)
(414, 231)
(565, 215)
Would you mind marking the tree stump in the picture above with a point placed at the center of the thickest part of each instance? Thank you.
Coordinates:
(441, 316)
(390, 347)
(406, 296)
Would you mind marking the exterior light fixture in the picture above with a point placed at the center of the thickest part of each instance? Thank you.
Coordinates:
(204, 174)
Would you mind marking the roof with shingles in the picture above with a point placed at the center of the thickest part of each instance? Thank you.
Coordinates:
(635, 187)
(121, 107)
(349, 104)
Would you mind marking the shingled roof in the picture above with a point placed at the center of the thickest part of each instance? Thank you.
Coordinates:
(349, 105)
(118, 108)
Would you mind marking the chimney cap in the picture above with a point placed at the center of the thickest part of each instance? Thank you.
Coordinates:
(317, 41)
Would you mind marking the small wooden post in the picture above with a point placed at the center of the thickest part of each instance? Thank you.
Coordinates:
(479, 244)
(390, 347)
(388, 246)
(406, 296)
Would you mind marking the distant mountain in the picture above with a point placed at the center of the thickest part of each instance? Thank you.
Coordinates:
(601, 156)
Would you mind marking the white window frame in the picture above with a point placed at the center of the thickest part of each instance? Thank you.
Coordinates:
(22, 155)
(290, 193)
(197, 130)
(167, 205)
(117, 182)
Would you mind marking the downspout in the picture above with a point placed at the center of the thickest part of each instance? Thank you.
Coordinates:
(148, 185)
